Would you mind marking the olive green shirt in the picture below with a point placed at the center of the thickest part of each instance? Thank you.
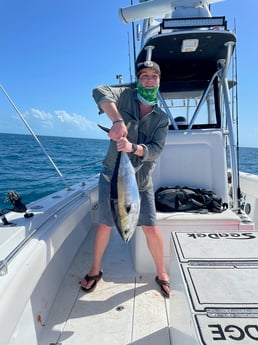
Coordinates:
(149, 131)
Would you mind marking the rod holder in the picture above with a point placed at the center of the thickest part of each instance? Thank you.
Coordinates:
(149, 50)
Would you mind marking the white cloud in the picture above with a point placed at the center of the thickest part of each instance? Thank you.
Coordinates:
(40, 114)
(41, 119)
(75, 119)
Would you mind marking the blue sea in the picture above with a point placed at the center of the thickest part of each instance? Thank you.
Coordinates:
(27, 170)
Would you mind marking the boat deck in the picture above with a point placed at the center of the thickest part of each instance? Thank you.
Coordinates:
(125, 308)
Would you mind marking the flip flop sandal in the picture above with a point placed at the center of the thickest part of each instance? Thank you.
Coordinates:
(95, 278)
(161, 283)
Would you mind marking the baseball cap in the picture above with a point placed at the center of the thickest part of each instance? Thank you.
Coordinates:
(147, 64)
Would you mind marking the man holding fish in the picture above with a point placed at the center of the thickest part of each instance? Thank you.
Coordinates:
(139, 129)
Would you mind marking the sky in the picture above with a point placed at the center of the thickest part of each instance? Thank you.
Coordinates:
(54, 52)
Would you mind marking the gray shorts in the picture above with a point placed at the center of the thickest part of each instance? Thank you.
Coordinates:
(147, 210)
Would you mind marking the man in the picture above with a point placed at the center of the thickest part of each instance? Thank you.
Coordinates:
(140, 129)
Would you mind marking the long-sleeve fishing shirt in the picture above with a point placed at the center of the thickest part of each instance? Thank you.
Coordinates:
(149, 131)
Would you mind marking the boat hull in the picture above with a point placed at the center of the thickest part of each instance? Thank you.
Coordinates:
(33, 276)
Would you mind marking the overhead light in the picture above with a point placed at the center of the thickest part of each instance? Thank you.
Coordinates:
(183, 23)
(190, 45)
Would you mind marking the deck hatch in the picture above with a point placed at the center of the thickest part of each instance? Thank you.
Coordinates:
(217, 247)
(215, 289)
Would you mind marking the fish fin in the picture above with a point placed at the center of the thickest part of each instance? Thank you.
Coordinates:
(136, 169)
(107, 177)
(105, 129)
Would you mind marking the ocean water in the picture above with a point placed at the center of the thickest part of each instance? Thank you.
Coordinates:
(27, 170)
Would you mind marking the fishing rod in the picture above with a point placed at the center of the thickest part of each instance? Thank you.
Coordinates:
(133, 35)
(34, 136)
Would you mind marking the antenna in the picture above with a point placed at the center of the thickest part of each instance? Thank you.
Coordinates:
(158, 8)
(129, 57)
(119, 77)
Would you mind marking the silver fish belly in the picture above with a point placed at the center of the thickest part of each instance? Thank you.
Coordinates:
(124, 197)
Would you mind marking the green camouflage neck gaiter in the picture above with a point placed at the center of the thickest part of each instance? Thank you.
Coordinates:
(147, 96)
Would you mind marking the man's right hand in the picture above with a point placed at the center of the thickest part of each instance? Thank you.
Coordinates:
(118, 130)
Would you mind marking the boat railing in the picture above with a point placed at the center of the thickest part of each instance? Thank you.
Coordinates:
(198, 103)
(54, 213)
(202, 100)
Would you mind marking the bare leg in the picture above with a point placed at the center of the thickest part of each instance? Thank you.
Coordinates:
(155, 245)
(101, 242)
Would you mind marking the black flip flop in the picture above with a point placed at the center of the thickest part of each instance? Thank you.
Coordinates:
(161, 283)
(88, 278)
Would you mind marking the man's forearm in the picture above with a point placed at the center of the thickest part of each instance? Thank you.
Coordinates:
(111, 110)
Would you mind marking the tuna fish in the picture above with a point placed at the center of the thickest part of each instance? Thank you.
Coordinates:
(124, 197)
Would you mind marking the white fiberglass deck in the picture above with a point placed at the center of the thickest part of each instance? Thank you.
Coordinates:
(126, 307)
